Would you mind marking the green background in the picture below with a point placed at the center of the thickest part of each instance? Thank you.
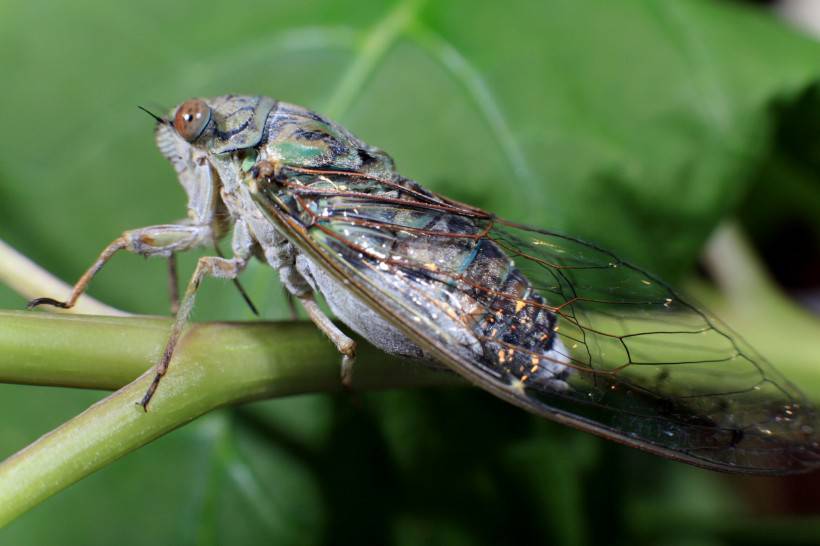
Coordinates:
(639, 125)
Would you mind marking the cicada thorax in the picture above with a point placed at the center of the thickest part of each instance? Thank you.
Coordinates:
(298, 136)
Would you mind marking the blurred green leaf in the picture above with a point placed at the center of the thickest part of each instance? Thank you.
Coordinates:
(636, 124)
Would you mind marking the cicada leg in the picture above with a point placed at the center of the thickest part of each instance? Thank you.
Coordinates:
(161, 240)
(80, 286)
(173, 283)
(344, 344)
(208, 265)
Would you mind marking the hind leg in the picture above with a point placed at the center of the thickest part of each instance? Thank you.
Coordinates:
(344, 344)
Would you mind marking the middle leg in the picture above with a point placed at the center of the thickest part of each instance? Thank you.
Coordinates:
(212, 266)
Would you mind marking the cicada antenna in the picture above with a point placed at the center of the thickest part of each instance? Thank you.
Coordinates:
(160, 120)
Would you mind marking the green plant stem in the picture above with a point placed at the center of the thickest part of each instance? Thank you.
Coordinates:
(216, 364)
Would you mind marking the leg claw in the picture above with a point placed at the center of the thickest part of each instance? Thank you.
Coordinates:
(46, 301)
(347, 371)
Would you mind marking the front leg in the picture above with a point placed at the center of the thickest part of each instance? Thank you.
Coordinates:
(161, 240)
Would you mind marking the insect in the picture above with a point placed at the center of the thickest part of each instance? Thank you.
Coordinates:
(559, 327)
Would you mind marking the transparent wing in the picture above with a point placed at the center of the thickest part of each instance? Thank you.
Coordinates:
(658, 370)
(552, 324)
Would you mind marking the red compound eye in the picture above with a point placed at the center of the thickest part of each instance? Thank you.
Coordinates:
(191, 119)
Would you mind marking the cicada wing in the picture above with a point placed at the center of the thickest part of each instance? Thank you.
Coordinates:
(552, 324)
(657, 370)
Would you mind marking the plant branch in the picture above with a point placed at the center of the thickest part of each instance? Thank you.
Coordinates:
(216, 364)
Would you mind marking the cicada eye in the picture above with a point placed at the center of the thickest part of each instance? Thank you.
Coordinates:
(191, 119)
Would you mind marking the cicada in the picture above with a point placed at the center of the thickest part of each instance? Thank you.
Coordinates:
(557, 326)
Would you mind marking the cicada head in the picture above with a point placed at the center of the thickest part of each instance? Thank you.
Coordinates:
(198, 130)
(221, 124)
